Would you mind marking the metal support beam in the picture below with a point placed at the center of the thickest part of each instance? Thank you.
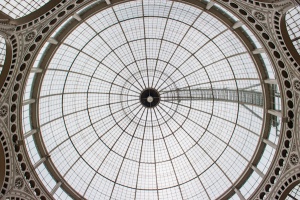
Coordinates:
(52, 41)
(38, 163)
(271, 144)
(209, 5)
(28, 101)
(239, 194)
(258, 171)
(249, 97)
(250, 86)
(275, 113)
(285, 119)
(258, 51)
(77, 17)
(36, 70)
(58, 184)
(271, 81)
(252, 111)
(20, 142)
(108, 2)
(237, 24)
(29, 133)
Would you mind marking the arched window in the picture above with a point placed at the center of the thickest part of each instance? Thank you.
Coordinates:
(17, 9)
(293, 26)
(2, 52)
(294, 193)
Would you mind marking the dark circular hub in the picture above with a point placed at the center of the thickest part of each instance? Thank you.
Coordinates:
(150, 98)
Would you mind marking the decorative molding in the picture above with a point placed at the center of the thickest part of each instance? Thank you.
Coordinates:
(3, 110)
(294, 159)
(28, 38)
(7, 30)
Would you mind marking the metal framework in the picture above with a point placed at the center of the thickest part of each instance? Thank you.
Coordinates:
(227, 95)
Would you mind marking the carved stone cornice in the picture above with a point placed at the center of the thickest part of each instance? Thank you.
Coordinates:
(7, 30)
(28, 39)
(284, 5)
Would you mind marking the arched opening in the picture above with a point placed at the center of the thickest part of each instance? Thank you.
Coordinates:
(2, 52)
(2, 165)
(16, 10)
(294, 193)
(292, 20)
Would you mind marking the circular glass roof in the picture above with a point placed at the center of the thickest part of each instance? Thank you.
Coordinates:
(151, 100)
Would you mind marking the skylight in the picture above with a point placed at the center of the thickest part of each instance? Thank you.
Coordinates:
(151, 100)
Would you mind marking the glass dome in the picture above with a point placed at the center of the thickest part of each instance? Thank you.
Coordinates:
(151, 100)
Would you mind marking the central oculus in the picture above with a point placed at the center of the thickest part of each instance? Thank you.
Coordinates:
(149, 98)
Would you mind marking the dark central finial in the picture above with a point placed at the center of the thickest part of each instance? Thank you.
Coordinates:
(150, 98)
